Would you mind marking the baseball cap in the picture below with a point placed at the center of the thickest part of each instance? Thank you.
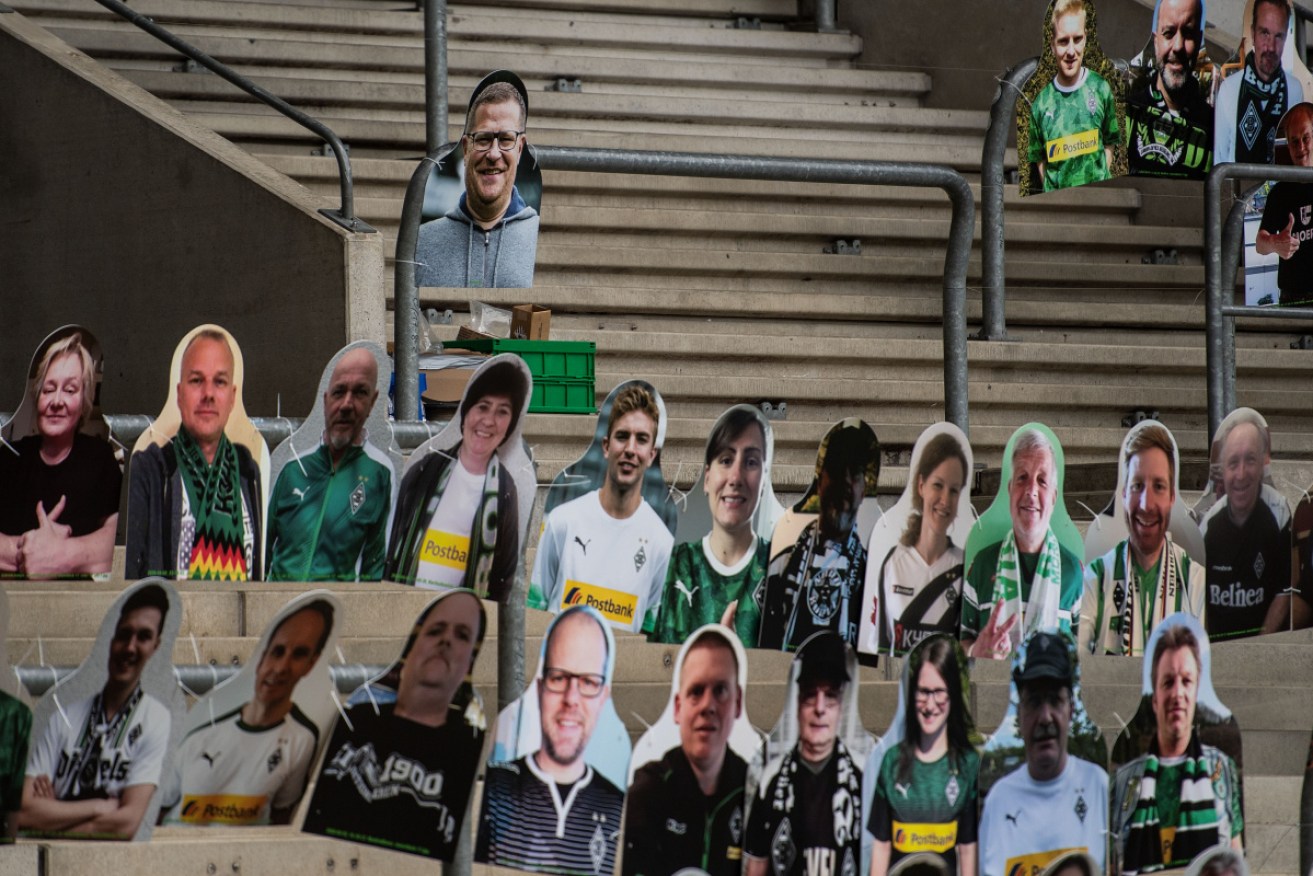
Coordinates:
(824, 658)
(1047, 656)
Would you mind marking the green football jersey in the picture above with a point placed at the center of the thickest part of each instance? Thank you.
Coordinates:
(1069, 130)
(697, 593)
(934, 811)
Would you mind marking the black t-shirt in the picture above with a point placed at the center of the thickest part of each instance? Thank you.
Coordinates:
(1160, 142)
(820, 833)
(88, 478)
(1295, 274)
(394, 783)
(1247, 567)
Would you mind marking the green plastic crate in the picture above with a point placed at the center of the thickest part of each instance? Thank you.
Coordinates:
(562, 371)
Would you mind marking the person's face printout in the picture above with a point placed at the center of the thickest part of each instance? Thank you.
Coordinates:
(485, 424)
(1175, 689)
(931, 701)
(1032, 491)
(1069, 46)
(489, 175)
(819, 705)
(630, 449)
(841, 496)
(939, 496)
(60, 397)
(572, 689)
(1270, 26)
(291, 654)
(136, 638)
(206, 393)
(349, 398)
(1176, 43)
(1148, 499)
(708, 701)
(1044, 716)
(1243, 461)
(443, 653)
(732, 480)
(1299, 140)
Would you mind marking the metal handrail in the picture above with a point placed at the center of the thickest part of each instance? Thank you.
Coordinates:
(197, 678)
(406, 297)
(346, 216)
(826, 20)
(1221, 249)
(993, 323)
(435, 74)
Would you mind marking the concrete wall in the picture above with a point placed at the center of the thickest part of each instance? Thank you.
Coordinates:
(119, 214)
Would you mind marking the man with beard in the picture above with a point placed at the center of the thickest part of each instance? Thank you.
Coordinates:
(1169, 122)
(328, 517)
(1251, 102)
(1287, 226)
(1028, 581)
(1247, 541)
(607, 548)
(816, 584)
(250, 766)
(806, 819)
(194, 503)
(1055, 802)
(490, 237)
(686, 809)
(1130, 589)
(96, 766)
(550, 811)
(1181, 797)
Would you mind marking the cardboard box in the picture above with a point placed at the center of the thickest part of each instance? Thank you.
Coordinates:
(529, 322)
(465, 333)
(446, 385)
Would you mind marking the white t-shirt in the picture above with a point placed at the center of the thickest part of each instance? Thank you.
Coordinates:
(445, 551)
(1030, 823)
(906, 574)
(131, 752)
(588, 557)
(231, 773)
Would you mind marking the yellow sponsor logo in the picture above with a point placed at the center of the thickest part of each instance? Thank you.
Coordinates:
(1072, 145)
(937, 838)
(221, 809)
(446, 549)
(1034, 863)
(613, 604)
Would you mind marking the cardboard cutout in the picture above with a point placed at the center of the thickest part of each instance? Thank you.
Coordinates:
(1261, 84)
(62, 478)
(1251, 573)
(1183, 743)
(1024, 551)
(671, 823)
(552, 791)
(817, 556)
(329, 519)
(700, 588)
(1169, 115)
(915, 565)
(467, 494)
(398, 774)
(103, 737)
(15, 732)
(1123, 600)
(248, 746)
(920, 784)
(1073, 131)
(800, 820)
(1031, 817)
(483, 197)
(1280, 222)
(190, 516)
(588, 556)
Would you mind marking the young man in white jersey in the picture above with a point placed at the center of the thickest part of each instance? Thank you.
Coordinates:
(608, 549)
(96, 766)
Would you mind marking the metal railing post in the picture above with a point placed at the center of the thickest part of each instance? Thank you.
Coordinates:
(993, 323)
(826, 20)
(1213, 288)
(405, 297)
(435, 74)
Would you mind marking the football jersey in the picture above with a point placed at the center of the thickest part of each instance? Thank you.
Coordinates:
(1290, 202)
(1248, 566)
(808, 823)
(1069, 129)
(918, 598)
(445, 553)
(1027, 824)
(588, 557)
(699, 589)
(88, 757)
(934, 811)
(229, 772)
(1164, 142)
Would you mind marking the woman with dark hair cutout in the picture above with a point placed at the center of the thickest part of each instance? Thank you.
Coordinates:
(925, 794)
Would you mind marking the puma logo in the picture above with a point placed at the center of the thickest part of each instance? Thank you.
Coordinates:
(298, 492)
(902, 789)
(583, 545)
(1012, 818)
(209, 757)
(681, 587)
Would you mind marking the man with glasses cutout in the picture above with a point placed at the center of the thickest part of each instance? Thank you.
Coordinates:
(490, 238)
(550, 811)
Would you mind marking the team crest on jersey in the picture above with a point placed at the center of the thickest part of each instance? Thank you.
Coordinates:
(1091, 103)
(357, 497)
(134, 734)
(274, 759)
(951, 790)
(782, 850)
(849, 867)
(597, 848)
(736, 825)
(1081, 809)
(1259, 566)
(950, 596)
(640, 558)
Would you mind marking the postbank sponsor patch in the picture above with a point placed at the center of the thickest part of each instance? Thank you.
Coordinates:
(1034, 863)
(937, 838)
(1072, 145)
(445, 549)
(614, 605)
(221, 809)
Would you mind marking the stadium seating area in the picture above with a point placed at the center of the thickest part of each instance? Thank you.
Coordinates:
(718, 291)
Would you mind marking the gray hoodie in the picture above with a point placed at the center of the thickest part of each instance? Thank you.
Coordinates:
(453, 251)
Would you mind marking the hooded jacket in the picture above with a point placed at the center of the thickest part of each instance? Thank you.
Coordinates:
(453, 251)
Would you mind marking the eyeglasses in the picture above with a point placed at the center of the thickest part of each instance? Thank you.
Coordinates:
(483, 140)
(558, 681)
(936, 695)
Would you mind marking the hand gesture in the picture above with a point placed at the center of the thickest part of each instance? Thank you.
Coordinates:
(994, 641)
(727, 619)
(1285, 243)
(44, 548)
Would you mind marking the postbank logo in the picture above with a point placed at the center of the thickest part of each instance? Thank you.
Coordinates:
(1034, 863)
(937, 838)
(445, 549)
(1072, 145)
(614, 605)
(221, 809)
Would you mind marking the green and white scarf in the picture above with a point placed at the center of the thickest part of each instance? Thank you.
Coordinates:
(214, 496)
(1196, 827)
(1041, 610)
(1167, 591)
